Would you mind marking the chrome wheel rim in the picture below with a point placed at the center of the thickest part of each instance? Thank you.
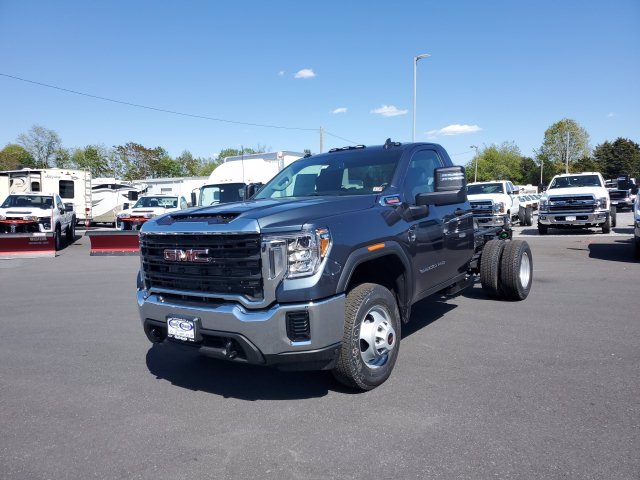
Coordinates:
(377, 337)
(525, 269)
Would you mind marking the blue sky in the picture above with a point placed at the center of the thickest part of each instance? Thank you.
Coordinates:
(499, 71)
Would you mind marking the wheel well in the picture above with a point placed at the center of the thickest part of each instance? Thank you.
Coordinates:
(389, 272)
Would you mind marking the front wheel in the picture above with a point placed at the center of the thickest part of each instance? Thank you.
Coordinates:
(614, 221)
(57, 238)
(606, 226)
(542, 228)
(528, 216)
(371, 339)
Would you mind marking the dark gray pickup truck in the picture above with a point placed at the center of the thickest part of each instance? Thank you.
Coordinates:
(320, 269)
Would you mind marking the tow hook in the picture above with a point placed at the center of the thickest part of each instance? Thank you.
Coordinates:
(229, 350)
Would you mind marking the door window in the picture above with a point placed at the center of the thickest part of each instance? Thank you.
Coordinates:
(420, 174)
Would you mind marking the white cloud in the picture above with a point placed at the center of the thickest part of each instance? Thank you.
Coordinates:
(454, 129)
(340, 110)
(305, 73)
(611, 115)
(389, 111)
(281, 73)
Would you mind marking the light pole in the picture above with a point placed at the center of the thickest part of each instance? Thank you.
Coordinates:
(415, 64)
(475, 177)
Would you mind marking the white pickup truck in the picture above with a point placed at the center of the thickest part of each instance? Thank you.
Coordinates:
(576, 200)
(496, 204)
(34, 212)
(147, 207)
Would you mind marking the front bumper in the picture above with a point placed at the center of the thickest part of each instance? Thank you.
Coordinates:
(579, 219)
(230, 331)
(492, 220)
(622, 203)
(16, 225)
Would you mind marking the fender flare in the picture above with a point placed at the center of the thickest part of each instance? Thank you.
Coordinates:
(363, 254)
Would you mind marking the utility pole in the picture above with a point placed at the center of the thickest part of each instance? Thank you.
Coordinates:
(567, 155)
(475, 177)
(321, 139)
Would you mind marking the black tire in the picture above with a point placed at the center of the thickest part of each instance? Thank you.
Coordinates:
(528, 216)
(636, 242)
(365, 306)
(542, 228)
(516, 270)
(490, 267)
(57, 238)
(522, 216)
(71, 231)
(614, 215)
(606, 226)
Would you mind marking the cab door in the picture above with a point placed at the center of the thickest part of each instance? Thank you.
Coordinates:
(442, 243)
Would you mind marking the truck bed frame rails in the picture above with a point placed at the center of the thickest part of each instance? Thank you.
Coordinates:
(27, 245)
(113, 242)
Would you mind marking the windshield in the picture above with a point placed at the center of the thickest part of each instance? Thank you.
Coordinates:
(358, 172)
(28, 201)
(222, 193)
(577, 181)
(151, 202)
(484, 188)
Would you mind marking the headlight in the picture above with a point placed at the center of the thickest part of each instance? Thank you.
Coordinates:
(498, 207)
(122, 215)
(543, 204)
(303, 252)
(149, 215)
(601, 203)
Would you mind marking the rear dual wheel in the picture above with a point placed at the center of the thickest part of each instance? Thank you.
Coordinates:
(506, 269)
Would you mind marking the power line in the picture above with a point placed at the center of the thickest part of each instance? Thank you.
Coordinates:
(341, 138)
(164, 110)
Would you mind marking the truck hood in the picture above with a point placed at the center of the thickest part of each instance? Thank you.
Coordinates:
(599, 192)
(277, 215)
(25, 211)
(486, 196)
(140, 212)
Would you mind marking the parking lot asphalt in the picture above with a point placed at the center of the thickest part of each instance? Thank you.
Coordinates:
(544, 388)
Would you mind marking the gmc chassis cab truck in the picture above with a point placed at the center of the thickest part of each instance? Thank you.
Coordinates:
(320, 269)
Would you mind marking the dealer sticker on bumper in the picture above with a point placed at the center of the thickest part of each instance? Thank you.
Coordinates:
(181, 329)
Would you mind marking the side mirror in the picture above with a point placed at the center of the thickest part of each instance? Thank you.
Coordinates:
(125, 206)
(194, 202)
(68, 207)
(450, 186)
(252, 189)
(516, 190)
(132, 195)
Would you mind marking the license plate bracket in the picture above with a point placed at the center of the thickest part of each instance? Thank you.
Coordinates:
(570, 218)
(183, 328)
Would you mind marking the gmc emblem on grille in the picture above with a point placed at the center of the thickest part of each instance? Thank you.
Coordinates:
(193, 255)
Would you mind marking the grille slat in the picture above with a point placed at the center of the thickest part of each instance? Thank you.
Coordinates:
(234, 268)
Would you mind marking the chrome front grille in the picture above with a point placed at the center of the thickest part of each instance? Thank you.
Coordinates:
(481, 207)
(572, 203)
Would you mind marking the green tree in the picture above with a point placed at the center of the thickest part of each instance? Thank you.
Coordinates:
(62, 158)
(496, 162)
(529, 171)
(619, 157)
(189, 163)
(94, 158)
(139, 162)
(14, 156)
(565, 142)
(42, 145)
